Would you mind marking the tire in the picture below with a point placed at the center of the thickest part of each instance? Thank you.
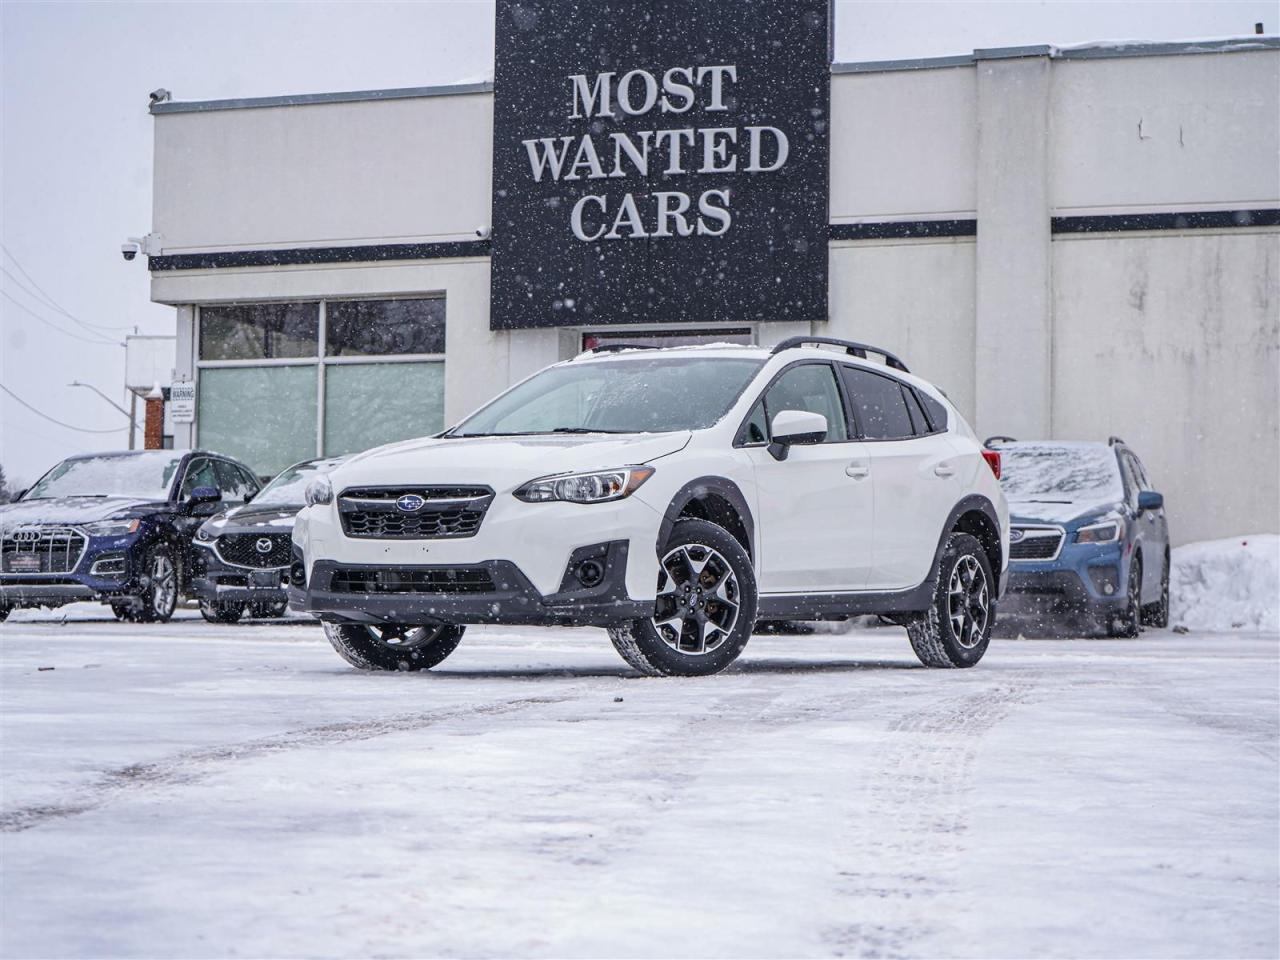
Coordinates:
(221, 612)
(1157, 614)
(4, 613)
(159, 598)
(964, 591)
(122, 611)
(268, 609)
(393, 646)
(705, 610)
(1128, 623)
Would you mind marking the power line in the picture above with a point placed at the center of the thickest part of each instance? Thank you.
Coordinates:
(48, 299)
(49, 323)
(52, 420)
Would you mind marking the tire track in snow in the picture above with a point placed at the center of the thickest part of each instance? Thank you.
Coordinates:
(917, 815)
(193, 765)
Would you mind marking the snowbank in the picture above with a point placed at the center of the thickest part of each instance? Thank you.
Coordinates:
(1231, 584)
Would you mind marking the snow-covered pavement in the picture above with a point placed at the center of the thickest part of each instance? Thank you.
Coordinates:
(189, 790)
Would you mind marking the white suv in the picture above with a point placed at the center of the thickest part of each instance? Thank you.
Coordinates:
(673, 496)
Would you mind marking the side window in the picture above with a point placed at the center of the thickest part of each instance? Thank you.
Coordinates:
(1139, 471)
(810, 387)
(756, 429)
(882, 411)
(231, 481)
(1131, 482)
(200, 473)
(936, 411)
(918, 419)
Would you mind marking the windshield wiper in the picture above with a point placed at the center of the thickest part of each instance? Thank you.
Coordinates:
(583, 430)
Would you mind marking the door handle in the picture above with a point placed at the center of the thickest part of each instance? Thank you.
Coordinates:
(944, 470)
(858, 470)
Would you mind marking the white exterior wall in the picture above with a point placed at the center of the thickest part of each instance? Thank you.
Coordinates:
(1166, 338)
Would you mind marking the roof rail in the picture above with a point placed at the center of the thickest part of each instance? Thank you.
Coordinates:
(615, 347)
(851, 347)
(998, 438)
(1112, 441)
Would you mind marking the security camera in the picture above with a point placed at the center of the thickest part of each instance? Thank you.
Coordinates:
(483, 232)
(128, 250)
(160, 96)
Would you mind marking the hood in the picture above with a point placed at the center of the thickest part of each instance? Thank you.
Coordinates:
(503, 463)
(1059, 511)
(264, 518)
(71, 510)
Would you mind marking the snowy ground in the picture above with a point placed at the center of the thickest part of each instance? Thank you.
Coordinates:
(188, 790)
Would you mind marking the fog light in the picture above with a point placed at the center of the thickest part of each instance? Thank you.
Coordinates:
(590, 573)
(298, 575)
(1106, 580)
(1109, 589)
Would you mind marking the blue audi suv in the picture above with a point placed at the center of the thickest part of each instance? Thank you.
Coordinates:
(1088, 537)
(114, 527)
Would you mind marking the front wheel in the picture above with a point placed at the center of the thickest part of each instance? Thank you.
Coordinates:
(393, 646)
(955, 630)
(1128, 623)
(705, 608)
(159, 596)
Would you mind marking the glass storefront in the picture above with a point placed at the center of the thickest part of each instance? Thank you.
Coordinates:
(283, 382)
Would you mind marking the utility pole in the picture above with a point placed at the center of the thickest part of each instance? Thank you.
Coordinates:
(133, 422)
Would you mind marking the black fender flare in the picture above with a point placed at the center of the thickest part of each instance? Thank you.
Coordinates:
(968, 504)
(696, 489)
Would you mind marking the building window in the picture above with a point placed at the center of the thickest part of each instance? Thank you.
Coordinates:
(283, 382)
(259, 331)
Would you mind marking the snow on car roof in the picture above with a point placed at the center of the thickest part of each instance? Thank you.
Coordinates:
(720, 349)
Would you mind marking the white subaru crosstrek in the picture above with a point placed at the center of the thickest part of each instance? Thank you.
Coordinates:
(673, 496)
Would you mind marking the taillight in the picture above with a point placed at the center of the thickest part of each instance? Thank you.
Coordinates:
(993, 461)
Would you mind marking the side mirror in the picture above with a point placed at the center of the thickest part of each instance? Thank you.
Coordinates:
(795, 426)
(202, 501)
(1150, 500)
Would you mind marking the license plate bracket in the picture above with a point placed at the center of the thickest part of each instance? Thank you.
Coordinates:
(264, 579)
(22, 563)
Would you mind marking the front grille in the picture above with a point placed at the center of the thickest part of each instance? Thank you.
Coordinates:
(413, 580)
(1037, 543)
(42, 550)
(446, 512)
(242, 549)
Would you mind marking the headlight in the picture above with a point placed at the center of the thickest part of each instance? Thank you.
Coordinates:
(319, 490)
(1108, 531)
(599, 486)
(112, 528)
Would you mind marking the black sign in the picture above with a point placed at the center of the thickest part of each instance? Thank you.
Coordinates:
(660, 161)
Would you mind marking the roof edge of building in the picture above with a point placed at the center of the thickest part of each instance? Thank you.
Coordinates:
(1095, 51)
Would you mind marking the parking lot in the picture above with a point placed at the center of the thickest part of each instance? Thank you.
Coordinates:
(185, 789)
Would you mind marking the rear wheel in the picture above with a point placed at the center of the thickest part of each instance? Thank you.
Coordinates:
(393, 646)
(705, 608)
(1128, 623)
(221, 611)
(955, 630)
(1157, 614)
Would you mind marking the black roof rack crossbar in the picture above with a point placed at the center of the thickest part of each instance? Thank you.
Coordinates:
(1112, 441)
(990, 442)
(851, 347)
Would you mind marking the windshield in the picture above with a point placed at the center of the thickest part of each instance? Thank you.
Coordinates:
(633, 395)
(1049, 473)
(288, 488)
(142, 476)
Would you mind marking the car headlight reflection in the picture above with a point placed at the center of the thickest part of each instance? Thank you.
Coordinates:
(598, 486)
(112, 528)
(1109, 531)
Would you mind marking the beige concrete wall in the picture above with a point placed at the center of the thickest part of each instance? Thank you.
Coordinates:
(324, 174)
(1172, 341)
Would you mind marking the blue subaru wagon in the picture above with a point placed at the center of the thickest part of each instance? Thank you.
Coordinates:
(1088, 538)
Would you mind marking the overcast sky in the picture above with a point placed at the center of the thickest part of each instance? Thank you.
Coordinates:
(76, 140)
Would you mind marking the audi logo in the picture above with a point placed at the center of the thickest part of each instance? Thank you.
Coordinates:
(410, 503)
(26, 536)
(263, 545)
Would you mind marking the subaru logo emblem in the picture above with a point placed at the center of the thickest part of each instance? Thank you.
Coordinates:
(263, 545)
(26, 536)
(410, 503)
(1016, 535)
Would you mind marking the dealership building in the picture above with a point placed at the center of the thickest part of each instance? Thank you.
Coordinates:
(1072, 242)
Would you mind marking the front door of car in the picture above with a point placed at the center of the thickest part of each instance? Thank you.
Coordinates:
(814, 509)
(916, 474)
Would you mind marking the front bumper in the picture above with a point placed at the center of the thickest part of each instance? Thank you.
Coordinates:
(1073, 584)
(492, 591)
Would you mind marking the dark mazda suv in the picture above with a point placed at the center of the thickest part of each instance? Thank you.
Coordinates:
(114, 527)
(244, 553)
